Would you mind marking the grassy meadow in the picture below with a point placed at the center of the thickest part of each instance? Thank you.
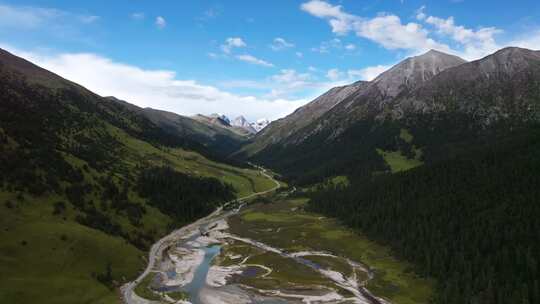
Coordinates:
(284, 224)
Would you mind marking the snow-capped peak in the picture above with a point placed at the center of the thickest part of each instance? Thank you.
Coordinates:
(222, 117)
(260, 124)
(252, 127)
(240, 121)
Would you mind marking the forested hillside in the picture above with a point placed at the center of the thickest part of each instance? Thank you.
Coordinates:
(79, 188)
(470, 222)
(425, 109)
(213, 141)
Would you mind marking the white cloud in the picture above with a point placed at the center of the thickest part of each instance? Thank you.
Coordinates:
(211, 13)
(386, 30)
(326, 46)
(31, 17)
(389, 31)
(231, 43)
(290, 84)
(420, 13)
(161, 23)
(333, 74)
(25, 17)
(289, 81)
(160, 89)
(89, 19)
(475, 43)
(299, 54)
(291, 76)
(340, 21)
(472, 44)
(368, 73)
(280, 44)
(529, 40)
(253, 60)
(138, 16)
(350, 47)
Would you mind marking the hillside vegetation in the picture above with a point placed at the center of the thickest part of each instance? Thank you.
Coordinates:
(470, 222)
(79, 181)
(446, 105)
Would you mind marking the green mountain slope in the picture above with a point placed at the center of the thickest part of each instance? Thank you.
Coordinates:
(443, 105)
(470, 222)
(220, 142)
(278, 131)
(76, 219)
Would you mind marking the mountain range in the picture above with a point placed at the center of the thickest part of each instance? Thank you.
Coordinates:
(239, 125)
(423, 109)
(89, 183)
(435, 151)
(216, 132)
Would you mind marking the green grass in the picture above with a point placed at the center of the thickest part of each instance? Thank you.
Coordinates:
(286, 273)
(337, 264)
(237, 249)
(178, 295)
(59, 258)
(336, 234)
(340, 180)
(406, 135)
(397, 161)
(260, 216)
(245, 181)
(300, 230)
(143, 289)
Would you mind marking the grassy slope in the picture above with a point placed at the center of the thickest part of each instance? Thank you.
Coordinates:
(60, 255)
(285, 225)
(399, 162)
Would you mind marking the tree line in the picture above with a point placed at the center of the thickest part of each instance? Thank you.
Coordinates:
(470, 222)
(181, 196)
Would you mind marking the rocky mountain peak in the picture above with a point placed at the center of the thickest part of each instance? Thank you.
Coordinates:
(240, 121)
(414, 71)
(508, 60)
(221, 118)
(260, 124)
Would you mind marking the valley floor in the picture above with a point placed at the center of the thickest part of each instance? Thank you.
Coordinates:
(51, 257)
(272, 251)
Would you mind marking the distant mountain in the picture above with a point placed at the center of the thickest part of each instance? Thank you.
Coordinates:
(224, 123)
(279, 130)
(239, 125)
(217, 139)
(223, 119)
(241, 122)
(424, 109)
(413, 72)
(260, 124)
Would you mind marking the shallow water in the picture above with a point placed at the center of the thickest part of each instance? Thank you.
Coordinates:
(199, 279)
(252, 271)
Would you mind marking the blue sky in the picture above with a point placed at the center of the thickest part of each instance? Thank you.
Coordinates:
(256, 58)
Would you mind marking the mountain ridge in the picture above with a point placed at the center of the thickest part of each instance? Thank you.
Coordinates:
(82, 187)
(382, 88)
(489, 95)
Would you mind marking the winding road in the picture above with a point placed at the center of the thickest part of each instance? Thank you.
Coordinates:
(127, 290)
